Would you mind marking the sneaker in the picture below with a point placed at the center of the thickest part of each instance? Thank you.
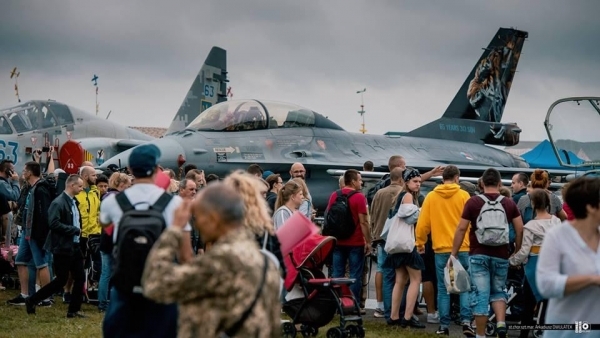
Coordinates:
(501, 330)
(66, 297)
(468, 330)
(445, 331)
(378, 313)
(77, 314)
(414, 323)
(29, 306)
(433, 318)
(45, 303)
(18, 300)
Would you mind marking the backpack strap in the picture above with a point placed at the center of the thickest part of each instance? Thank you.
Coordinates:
(237, 326)
(265, 239)
(350, 194)
(161, 204)
(124, 202)
(486, 200)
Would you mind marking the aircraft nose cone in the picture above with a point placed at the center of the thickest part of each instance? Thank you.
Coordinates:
(169, 152)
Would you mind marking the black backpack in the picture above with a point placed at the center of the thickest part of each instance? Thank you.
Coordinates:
(338, 217)
(384, 182)
(137, 233)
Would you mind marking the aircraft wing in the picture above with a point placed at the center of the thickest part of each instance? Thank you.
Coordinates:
(375, 176)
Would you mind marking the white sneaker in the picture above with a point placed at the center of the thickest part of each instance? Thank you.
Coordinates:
(433, 318)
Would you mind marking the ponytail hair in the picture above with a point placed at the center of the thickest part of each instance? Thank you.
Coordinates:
(540, 199)
(289, 189)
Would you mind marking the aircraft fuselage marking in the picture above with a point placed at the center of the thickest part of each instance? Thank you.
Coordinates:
(457, 128)
(9, 151)
(209, 91)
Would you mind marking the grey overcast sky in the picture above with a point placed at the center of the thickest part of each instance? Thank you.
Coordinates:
(412, 56)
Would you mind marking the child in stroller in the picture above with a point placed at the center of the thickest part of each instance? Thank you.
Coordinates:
(314, 300)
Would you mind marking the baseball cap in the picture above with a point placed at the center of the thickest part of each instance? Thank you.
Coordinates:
(266, 174)
(143, 160)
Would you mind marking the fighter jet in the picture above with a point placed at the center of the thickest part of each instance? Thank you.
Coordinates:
(79, 136)
(237, 133)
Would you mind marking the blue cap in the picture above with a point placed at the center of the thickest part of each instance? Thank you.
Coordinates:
(143, 160)
(267, 174)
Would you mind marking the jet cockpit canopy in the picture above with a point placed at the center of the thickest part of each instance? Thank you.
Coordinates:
(242, 115)
(34, 115)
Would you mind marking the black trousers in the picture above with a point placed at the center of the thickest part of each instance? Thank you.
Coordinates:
(63, 264)
(529, 303)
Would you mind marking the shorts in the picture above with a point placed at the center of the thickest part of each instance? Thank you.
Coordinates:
(488, 279)
(381, 255)
(28, 250)
(429, 274)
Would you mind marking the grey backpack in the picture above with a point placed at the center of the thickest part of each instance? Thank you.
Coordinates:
(492, 224)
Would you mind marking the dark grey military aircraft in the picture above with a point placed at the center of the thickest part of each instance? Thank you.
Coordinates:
(79, 136)
(236, 133)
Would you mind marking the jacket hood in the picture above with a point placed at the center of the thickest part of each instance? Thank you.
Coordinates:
(539, 227)
(447, 190)
(45, 183)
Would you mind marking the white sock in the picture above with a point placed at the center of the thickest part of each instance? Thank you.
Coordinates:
(37, 287)
(24, 295)
(380, 305)
(500, 324)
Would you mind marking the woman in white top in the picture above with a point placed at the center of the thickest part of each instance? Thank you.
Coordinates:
(289, 199)
(568, 269)
(533, 237)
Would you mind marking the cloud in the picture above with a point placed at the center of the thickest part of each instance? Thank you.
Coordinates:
(411, 56)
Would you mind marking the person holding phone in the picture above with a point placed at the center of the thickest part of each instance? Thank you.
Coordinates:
(9, 181)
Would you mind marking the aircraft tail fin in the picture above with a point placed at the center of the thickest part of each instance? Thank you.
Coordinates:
(209, 88)
(477, 108)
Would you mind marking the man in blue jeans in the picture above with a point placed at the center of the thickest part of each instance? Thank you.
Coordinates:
(353, 249)
(440, 213)
(488, 265)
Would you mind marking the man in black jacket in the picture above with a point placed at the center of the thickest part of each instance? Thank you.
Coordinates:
(63, 241)
(35, 229)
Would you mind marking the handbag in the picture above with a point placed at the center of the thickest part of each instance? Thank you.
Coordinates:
(233, 330)
(401, 237)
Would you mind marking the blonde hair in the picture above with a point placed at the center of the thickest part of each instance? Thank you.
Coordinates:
(256, 209)
(117, 179)
(173, 186)
(303, 186)
(504, 191)
(290, 189)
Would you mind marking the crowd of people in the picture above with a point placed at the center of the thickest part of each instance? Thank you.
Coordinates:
(183, 257)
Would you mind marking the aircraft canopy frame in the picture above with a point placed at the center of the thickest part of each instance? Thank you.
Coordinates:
(34, 115)
(245, 115)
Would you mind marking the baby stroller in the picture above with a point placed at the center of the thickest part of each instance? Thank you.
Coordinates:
(514, 289)
(8, 271)
(313, 300)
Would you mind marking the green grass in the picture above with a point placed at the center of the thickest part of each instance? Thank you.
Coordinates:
(48, 321)
(52, 322)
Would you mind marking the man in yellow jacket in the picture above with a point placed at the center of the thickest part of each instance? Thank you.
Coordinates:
(440, 215)
(89, 208)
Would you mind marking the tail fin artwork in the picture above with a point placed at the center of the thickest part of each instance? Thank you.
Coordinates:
(475, 113)
(208, 88)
